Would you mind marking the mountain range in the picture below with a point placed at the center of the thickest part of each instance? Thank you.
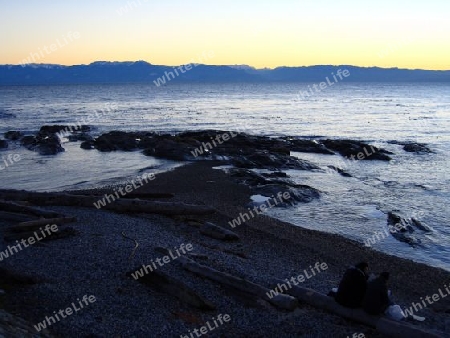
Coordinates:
(104, 72)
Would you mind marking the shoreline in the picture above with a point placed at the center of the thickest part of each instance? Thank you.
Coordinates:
(268, 249)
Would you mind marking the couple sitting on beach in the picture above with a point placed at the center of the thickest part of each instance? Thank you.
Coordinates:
(357, 291)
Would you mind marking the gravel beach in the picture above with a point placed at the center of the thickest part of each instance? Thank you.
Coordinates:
(97, 259)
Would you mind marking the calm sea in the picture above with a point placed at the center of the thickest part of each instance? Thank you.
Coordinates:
(416, 185)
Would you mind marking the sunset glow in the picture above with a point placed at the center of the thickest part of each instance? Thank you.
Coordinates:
(261, 34)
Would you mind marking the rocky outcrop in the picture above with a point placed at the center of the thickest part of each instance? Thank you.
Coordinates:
(271, 161)
(307, 146)
(404, 229)
(418, 148)
(273, 185)
(414, 147)
(117, 140)
(13, 135)
(357, 150)
(340, 171)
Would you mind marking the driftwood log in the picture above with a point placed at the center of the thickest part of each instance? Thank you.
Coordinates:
(162, 282)
(120, 205)
(385, 326)
(281, 301)
(22, 209)
(33, 225)
(217, 232)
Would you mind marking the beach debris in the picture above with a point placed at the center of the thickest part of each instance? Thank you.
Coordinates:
(280, 301)
(119, 205)
(136, 244)
(18, 207)
(162, 282)
(217, 232)
(36, 224)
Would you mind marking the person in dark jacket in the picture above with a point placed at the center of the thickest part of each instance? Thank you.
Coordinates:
(376, 300)
(353, 286)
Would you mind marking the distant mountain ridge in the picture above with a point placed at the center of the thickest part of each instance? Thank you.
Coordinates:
(143, 72)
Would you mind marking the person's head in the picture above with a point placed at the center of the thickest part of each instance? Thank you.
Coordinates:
(385, 275)
(363, 266)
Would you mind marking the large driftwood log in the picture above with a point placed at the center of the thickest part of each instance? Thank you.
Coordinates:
(281, 301)
(383, 325)
(162, 282)
(22, 209)
(120, 205)
(13, 217)
(33, 225)
(217, 232)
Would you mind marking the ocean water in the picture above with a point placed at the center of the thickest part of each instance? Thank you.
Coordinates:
(416, 185)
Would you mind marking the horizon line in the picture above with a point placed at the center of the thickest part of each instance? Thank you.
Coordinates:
(223, 65)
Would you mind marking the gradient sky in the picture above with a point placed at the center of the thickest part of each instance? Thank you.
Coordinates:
(385, 33)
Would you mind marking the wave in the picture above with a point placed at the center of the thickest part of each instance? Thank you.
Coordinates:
(5, 115)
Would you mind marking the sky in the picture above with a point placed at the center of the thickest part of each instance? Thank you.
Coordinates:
(395, 33)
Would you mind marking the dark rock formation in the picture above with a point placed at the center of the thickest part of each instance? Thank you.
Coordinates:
(172, 149)
(117, 140)
(340, 171)
(272, 187)
(357, 150)
(414, 147)
(3, 144)
(307, 146)
(13, 135)
(53, 129)
(403, 228)
(417, 148)
(45, 144)
(266, 160)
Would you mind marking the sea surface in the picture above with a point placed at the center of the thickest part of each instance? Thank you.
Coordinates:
(416, 185)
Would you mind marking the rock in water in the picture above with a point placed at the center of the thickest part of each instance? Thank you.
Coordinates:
(357, 150)
(13, 135)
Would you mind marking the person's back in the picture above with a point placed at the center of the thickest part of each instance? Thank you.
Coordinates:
(353, 286)
(376, 299)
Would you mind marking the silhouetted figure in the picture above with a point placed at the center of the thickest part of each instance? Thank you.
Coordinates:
(353, 286)
(376, 300)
